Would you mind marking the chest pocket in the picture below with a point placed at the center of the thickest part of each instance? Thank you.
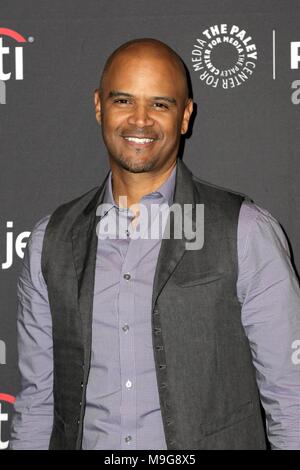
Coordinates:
(189, 279)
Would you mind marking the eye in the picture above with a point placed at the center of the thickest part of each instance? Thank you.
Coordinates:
(121, 101)
(161, 105)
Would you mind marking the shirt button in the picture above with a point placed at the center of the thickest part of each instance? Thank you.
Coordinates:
(127, 276)
(128, 438)
(125, 327)
(128, 384)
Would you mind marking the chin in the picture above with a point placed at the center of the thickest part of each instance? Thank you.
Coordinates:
(136, 167)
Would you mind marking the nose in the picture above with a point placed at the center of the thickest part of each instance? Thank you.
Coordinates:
(140, 117)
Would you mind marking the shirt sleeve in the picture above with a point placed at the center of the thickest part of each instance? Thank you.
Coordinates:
(32, 420)
(269, 293)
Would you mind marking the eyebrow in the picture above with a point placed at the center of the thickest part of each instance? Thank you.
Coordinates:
(115, 94)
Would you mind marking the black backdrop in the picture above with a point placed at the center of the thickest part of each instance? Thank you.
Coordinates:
(244, 137)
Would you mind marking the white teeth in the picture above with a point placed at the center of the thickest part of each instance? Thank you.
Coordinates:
(138, 141)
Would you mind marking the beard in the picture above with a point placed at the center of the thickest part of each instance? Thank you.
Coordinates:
(138, 165)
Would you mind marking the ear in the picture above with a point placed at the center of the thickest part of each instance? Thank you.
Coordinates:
(186, 116)
(97, 101)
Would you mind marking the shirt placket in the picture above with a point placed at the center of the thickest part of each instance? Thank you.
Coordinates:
(126, 308)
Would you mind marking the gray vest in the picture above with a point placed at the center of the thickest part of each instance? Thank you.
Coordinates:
(205, 376)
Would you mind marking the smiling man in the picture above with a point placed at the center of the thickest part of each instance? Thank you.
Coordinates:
(143, 106)
(131, 343)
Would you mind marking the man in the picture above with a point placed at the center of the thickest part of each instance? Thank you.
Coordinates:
(132, 343)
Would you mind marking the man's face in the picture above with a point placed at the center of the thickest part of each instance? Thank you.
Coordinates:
(143, 111)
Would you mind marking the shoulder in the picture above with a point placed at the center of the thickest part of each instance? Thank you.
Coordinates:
(219, 203)
(258, 228)
(70, 208)
(35, 240)
(217, 193)
(30, 277)
(62, 212)
(64, 216)
(214, 188)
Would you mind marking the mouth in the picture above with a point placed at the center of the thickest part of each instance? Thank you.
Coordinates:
(139, 141)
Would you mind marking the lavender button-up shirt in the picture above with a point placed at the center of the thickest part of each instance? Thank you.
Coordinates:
(122, 402)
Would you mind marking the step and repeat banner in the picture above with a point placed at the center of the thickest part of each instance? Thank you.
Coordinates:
(244, 63)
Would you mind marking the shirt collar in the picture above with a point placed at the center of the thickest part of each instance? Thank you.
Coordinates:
(165, 191)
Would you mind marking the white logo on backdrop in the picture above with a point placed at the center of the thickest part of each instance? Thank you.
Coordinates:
(219, 44)
(14, 246)
(6, 37)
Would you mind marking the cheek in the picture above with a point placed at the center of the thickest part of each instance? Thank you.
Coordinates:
(110, 130)
(170, 125)
(171, 129)
(111, 120)
(108, 123)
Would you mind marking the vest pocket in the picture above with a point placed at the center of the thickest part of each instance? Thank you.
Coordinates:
(193, 279)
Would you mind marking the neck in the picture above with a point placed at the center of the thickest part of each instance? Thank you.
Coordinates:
(136, 185)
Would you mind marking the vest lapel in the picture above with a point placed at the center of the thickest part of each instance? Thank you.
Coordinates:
(84, 241)
(172, 249)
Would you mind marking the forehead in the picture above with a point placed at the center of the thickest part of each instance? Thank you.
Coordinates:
(144, 72)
